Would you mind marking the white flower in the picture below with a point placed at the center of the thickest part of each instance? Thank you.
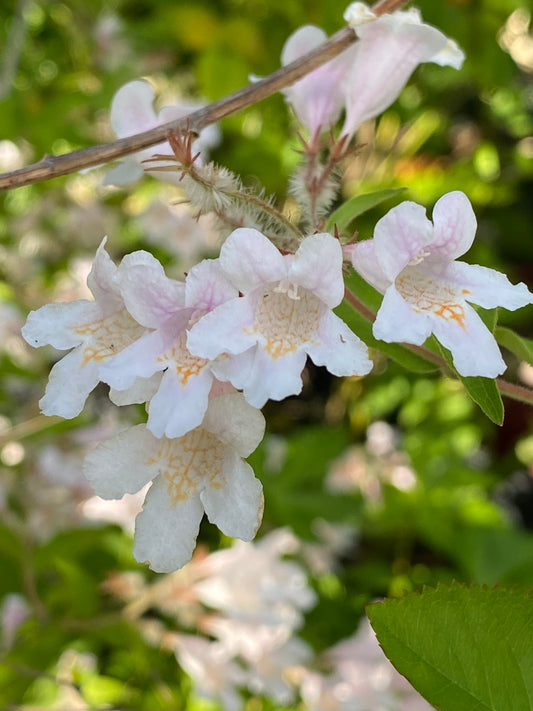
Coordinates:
(168, 307)
(388, 51)
(412, 262)
(284, 315)
(131, 113)
(97, 330)
(201, 471)
(317, 98)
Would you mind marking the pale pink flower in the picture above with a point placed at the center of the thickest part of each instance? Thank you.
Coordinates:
(284, 315)
(168, 307)
(96, 330)
(131, 113)
(14, 610)
(412, 262)
(214, 673)
(317, 98)
(380, 63)
(202, 471)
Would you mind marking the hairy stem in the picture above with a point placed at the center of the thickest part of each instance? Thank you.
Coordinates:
(54, 166)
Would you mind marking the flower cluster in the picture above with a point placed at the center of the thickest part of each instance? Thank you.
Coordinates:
(245, 321)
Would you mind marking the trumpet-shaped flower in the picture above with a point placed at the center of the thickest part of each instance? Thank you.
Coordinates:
(168, 307)
(97, 330)
(284, 315)
(388, 51)
(367, 77)
(131, 113)
(202, 471)
(412, 262)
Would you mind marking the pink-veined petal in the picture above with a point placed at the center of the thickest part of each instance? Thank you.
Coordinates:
(70, 382)
(317, 266)
(235, 422)
(118, 466)
(131, 109)
(166, 531)
(454, 225)
(55, 324)
(473, 347)
(271, 379)
(177, 409)
(487, 287)
(150, 296)
(339, 350)
(206, 286)
(365, 262)
(235, 502)
(400, 236)
(250, 260)
(225, 329)
(398, 322)
(388, 52)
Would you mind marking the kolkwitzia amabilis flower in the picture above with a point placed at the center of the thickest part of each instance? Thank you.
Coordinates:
(168, 307)
(317, 98)
(412, 262)
(202, 471)
(284, 315)
(97, 330)
(131, 113)
(388, 51)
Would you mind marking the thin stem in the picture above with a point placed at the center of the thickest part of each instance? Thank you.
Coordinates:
(54, 166)
(515, 392)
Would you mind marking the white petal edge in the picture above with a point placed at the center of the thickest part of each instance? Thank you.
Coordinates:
(397, 322)
(235, 422)
(317, 267)
(455, 225)
(340, 350)
(250, 260)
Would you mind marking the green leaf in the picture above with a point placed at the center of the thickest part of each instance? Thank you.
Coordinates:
(463, 649)
(357, 206)
(483, 391)
(522, 347)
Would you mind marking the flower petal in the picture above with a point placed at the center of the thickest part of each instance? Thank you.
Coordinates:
(141, 390)
(150, 296)
(71, 380)
(118, 466)
(400, 236)
(235, 422)
(365, 262)
(274, 379)
(234, 501)
(223, 330)
(101, 281)
(388, 52)
(250, 260)
(142, 358)
(473, 348)
(165, 532)
(454, 225)
(302, 41)
(397, 321)
(131, 109)
(340, 350)
(206, 286)
(317, 266)
(126, 172)
(55, 324)
(488, 287)
(177, 409)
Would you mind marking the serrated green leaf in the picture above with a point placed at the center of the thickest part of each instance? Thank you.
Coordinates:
(522, 347)
(483, 391)
(357, 206)
(463, 649)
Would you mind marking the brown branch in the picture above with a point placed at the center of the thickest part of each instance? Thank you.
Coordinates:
(54, 166)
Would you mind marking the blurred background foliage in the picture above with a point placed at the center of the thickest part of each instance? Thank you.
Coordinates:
(426, 487)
